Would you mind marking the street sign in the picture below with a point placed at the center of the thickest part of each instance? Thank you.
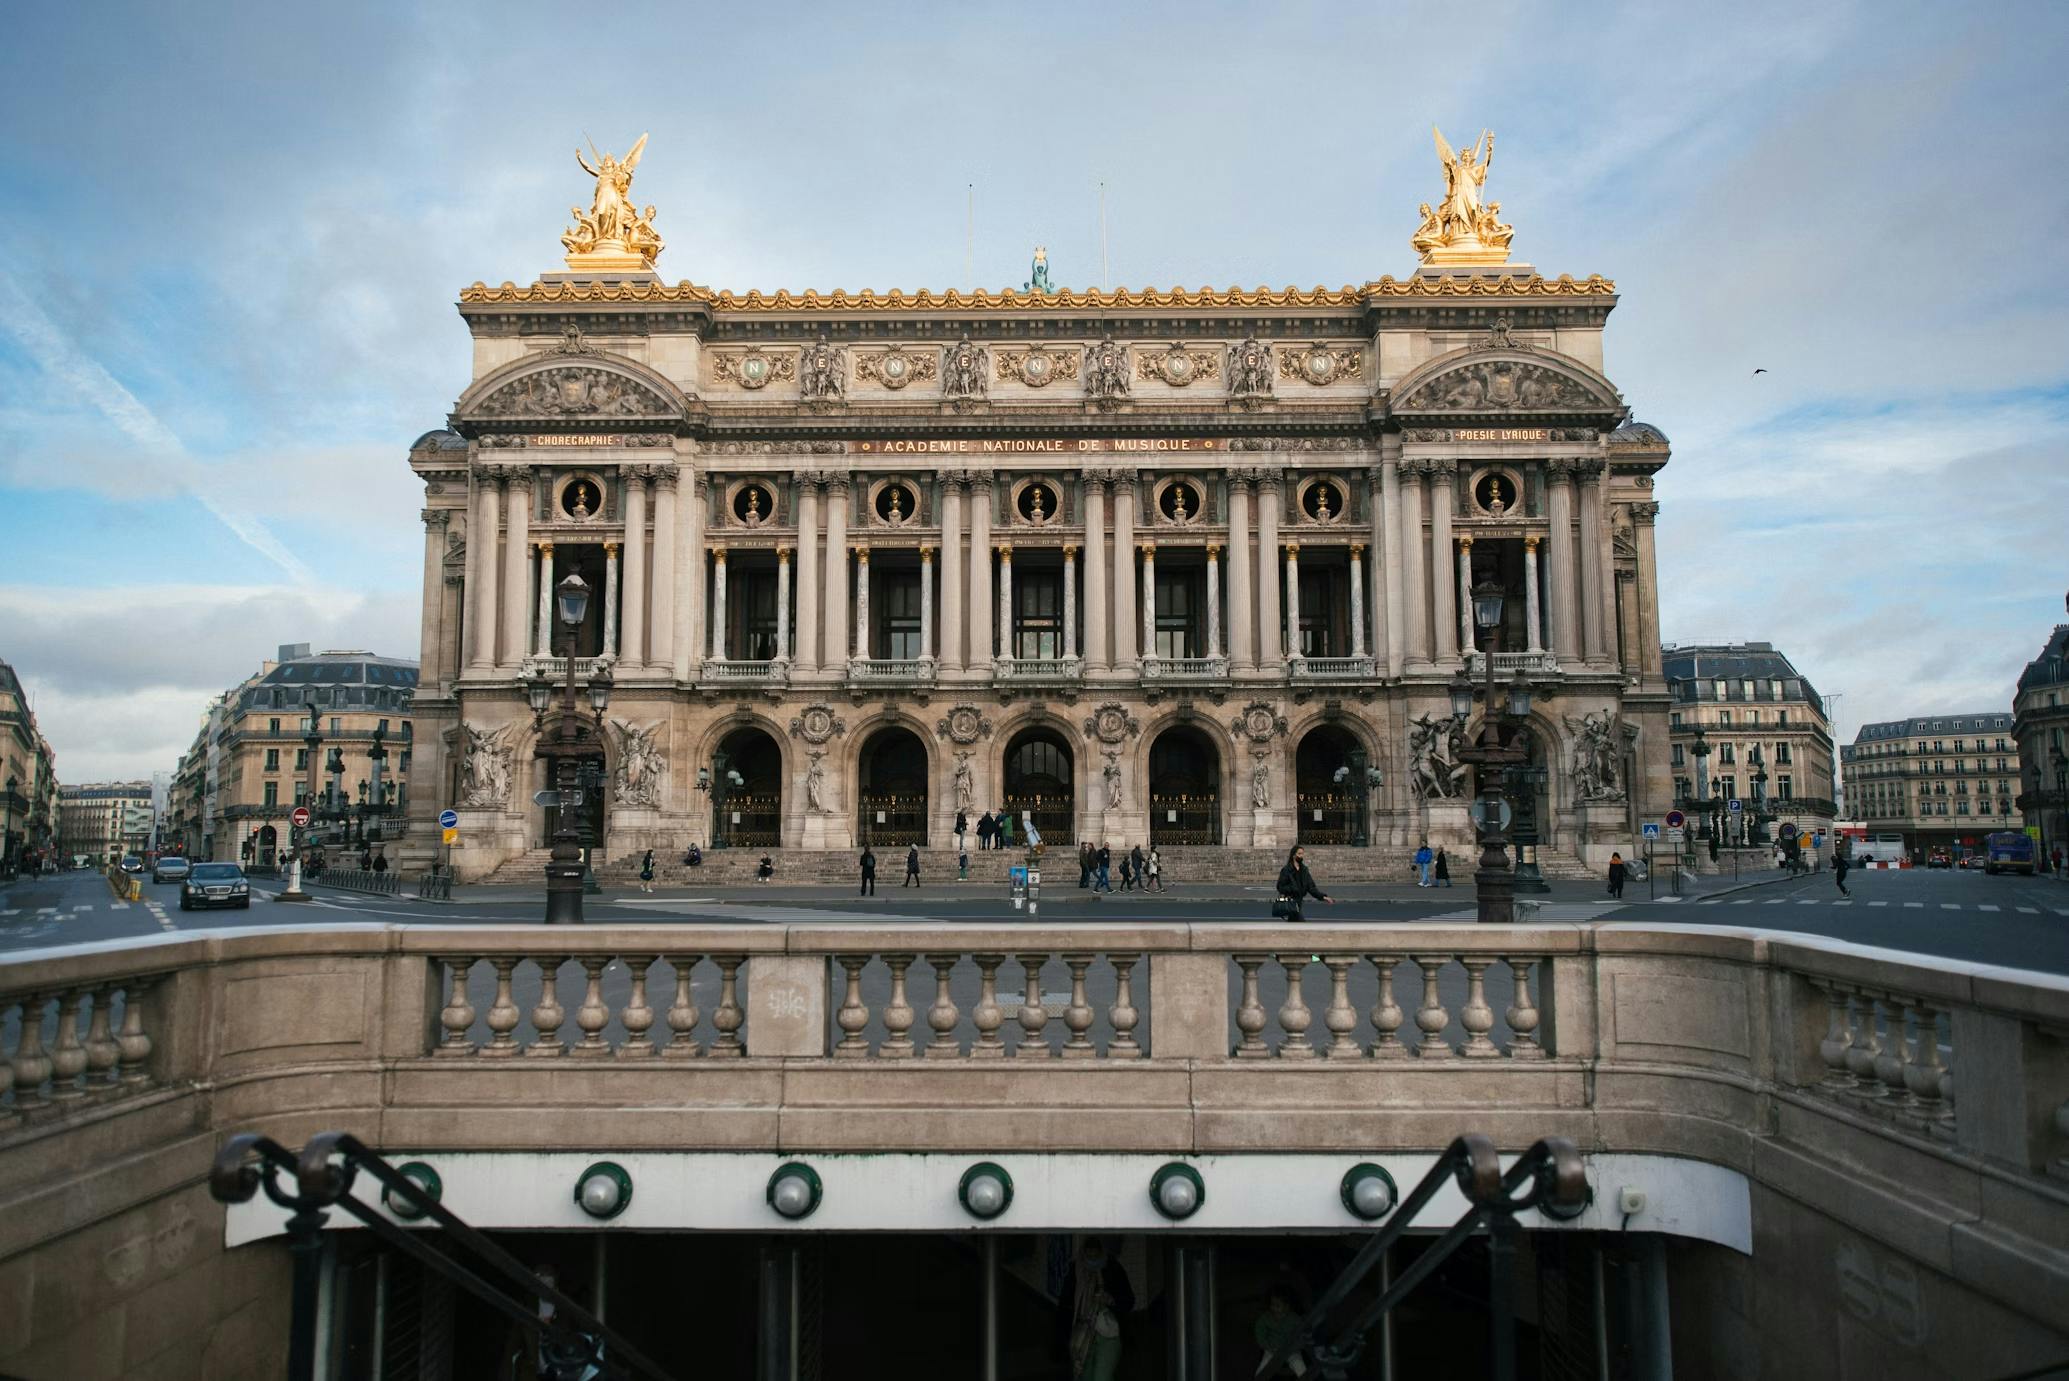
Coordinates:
(1675, 836)
(1480, 813)
(1675, 819)
(300, 816)
(452, 836)
(448, 819)
(552, 798)
(1650, 829)
(1736, 805)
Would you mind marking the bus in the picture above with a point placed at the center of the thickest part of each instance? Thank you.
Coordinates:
(2008, 851)
(1878, 848)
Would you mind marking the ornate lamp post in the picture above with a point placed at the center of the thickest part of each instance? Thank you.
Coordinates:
(573, 740)
(2061, 763)
(7, 831)
(1494, 883)
(1759, 793)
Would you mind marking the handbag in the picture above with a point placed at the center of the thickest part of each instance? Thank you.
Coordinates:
(1285, 909)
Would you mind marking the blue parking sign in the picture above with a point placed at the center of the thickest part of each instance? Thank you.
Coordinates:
(1735, 804)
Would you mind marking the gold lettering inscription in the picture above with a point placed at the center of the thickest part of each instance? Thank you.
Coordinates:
(544, 440)
(1503, 434)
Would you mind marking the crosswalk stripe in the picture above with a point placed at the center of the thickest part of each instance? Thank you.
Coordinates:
(1779, 901)
(1842, 903)
(1808, 901)
(1950, 906)
(1914, 906)
(2026, 910)
(2061, 912)
(11, 911)
(1743, 901)
(1878, 903)
(1986, 908)
(118, 906)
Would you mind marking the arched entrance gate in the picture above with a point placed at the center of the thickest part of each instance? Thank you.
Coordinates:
(1040, 784)
(891, 799)
(1329, 787)
(1184, 788)
(747, 791)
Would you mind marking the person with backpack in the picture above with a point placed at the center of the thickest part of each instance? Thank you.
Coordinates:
(868, 862)
(984, 831)
(1005, 829)
(1085, 859)
(1840, 863)
(1423, 858)
(1104, 860)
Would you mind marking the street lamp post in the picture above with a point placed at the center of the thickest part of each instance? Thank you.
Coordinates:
(312, 740)
(2061, 762)
(573, 740)
(7, 831)
(1495, 885)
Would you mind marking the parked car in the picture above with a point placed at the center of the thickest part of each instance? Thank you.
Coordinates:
(170, 868)
(215, 884)
(131, 863)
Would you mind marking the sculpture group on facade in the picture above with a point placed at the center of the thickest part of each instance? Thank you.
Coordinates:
(1463, 224)
(1434, 771)
(822, 371)
(1597, 756)
(611, 226)
(485, 770)
(962, 370)
(641, 769)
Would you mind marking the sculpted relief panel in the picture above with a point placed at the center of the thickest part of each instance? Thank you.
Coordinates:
(574, 391)
(1503, 384)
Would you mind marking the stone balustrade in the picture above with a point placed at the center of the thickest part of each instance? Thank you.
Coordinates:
(70, 1046)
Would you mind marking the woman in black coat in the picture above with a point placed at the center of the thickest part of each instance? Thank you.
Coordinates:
(1296, 882)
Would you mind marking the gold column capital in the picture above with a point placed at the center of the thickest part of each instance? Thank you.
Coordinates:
(1357, 549)
(1006, 552)
(1069, 551)
(1214, 551)
(1293, 550)
(718, 554)
(926, 554)
(783, 556)
(862, 555)
(1465, 543)
(1149, 549)
(545, 548)
(611, 549)
(1530, 543)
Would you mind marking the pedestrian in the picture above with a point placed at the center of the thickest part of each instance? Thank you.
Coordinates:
(962, 826)
(1443, 868)
(646, 872)
(1085, 865)
(1005, 829)
(1617, 872)
(868, 871)
(1839, 866)
(984, 829)
(1156, 869)
(765, 871)
(1423, 858)
(1296, 883)
(1127, 872)
(381, 861)
(912, 866)
(1097, 1296)
(962, 862)
(695, 857)
(2058, 860)
(1136, 857)
(1103, 861)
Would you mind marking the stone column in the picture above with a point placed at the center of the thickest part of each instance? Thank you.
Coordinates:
(542, 644)
(1465, 594)
(1123, 621)
(689, 576)
(783, 604)
(481, 574)
(1293, 646)
(862, 648)
(1149, 601)
(927, 603)
(1531, 616)
(1357, 599)
(1070, 603)
(1213, 600)
(1415, 562)
(661, 632)
(517, 560)
(634, 620)
(1648, 588)
(1005, 651)
(1445, 614)
(431, 607)
(610, 599)
(718, 604)
(1242, 633)
(807, 639)
(952, 572)
(980, 574)
(1097, 614)
(1593, 559)
(1271, 655)
(1559, 561)
(1387, 532)
(1605, 580)
(833, 634)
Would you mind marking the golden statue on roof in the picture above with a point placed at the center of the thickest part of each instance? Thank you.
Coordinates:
(1464, 230)
(612, 236)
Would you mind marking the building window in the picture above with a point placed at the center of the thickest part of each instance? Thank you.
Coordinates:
(1677, 755)
(1038, 614)
(1724, 718)
(272, 793)
(753, 600)
(272, 759)
(1727, 787)
(1752, 716)
(1786, 786)
(301, 760)
(1674, 720)
(1178, 616)
(1727, 752)
(272, 726)
(1961, 807)
(1781, 753)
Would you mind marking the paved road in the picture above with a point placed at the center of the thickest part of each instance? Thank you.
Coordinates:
(2017, 922)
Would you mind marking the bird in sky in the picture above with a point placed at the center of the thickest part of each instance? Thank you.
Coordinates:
(1759, 371)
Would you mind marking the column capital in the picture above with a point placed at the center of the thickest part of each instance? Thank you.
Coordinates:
(1644, 512)
(1005, 551)
(718, 553)
(1149, 549)
(1443, 465)
(1271, 483)
(1214, 551)
(1589, 468)
(1530, 542)
(1560, 467)
(1465, 542)
(437, 517)
(783, 556)
(545, 548)
(638, 474)
(926, 555)
(1070, 550)
(862, 555)
(980, 484)
(611, 549)
(1293, 550)
(666, 477)
(1358, 549)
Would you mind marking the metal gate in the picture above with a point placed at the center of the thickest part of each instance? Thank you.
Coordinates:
(748, 820)
(1185, 819)
(891, 819)
(1054, 816)
(1327, 817)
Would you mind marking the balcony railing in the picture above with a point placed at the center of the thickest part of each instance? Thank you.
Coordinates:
(1184, 668)
(1038, 670)
(905, 671)
(556, 668)
(733, 673)
(1513, 661)
(1328, 668)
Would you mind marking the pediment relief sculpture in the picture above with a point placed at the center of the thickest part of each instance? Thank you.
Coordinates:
(1503, 385)
(574, 391)
(963, 370)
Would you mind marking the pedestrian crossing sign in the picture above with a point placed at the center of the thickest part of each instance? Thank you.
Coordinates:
(1652, 831)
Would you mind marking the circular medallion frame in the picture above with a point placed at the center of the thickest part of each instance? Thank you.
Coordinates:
(1180, 501)
(1037, 501)
(752, 502)
(1496, 493)
(895, 502)
(579, 497)
(1323, 499)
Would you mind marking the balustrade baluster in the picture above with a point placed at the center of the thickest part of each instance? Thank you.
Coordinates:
(1477, 1017)
(987, 1014)
(853, 1015)
(729, 1017)
(1523, 1015)
(68, 1058)
(593, 1015)
(101, 1050)
(1942, 1126)
(1341, 1018)
(1432, 1017)
(457, 1016)
(1860, 1056)
(898, 1013)
(1294, 1016)
(682, 1013)
(1122, 1016)
(638, 1016)
(1078, 1016)
(133, 1040)
(943, 1016)
(1387, 1015)
(547, 1013)
(1838, 1038)
(1889, 1060)
(31, 1064)
(1250, 1011)
(503, 1013)
(8, 1116)
(1033, 1015)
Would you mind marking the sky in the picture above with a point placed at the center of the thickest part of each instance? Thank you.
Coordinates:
(231, 237)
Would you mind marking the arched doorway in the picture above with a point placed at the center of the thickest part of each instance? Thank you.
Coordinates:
(891, 789)
(1039, 779)
(1184, 788)
(1329, 787)
(747, 791)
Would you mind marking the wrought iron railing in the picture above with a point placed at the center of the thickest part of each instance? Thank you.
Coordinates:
(1327, 817)
(1055, 817)
(891, 818)
(748, 820)
(1185, 819)
(383, 881)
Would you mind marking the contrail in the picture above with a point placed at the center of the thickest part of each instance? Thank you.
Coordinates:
(86, 379)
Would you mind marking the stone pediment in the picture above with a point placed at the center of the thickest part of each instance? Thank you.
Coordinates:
(1515, 380)
(560, 388)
